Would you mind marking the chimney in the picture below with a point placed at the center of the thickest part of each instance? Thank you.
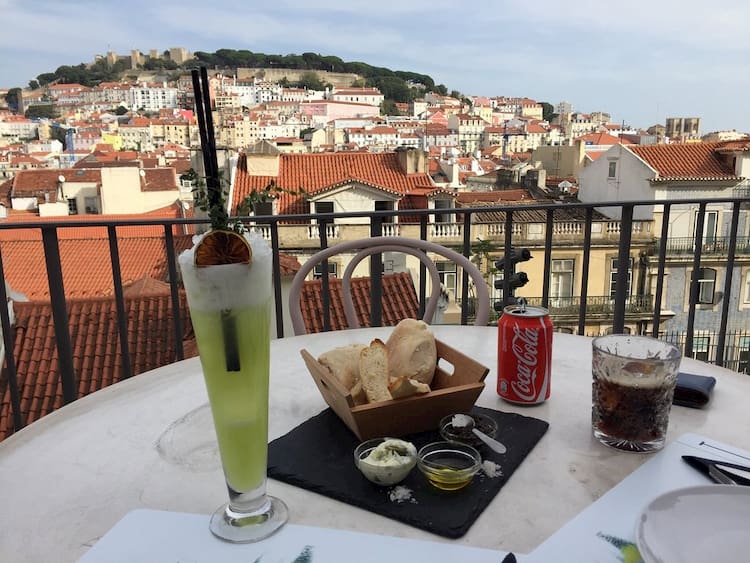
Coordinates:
(412, 160)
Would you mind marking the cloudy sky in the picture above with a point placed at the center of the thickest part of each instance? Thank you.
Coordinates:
(641, 61)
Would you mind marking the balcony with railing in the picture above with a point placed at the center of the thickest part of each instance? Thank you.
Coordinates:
(636, 306)
(713, 246)
(302, 234)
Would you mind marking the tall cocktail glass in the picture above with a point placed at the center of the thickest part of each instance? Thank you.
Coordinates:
(634, 378)
(230, 308)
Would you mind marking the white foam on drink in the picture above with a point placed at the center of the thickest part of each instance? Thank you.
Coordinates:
(228, 286)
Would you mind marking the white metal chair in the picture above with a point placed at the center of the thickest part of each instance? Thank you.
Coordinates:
(378, 245)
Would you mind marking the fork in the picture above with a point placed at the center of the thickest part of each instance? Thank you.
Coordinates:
(719, 476)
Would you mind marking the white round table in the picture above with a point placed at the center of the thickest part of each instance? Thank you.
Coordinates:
(148, 443)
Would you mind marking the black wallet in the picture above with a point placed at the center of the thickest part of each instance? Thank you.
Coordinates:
(692, 390)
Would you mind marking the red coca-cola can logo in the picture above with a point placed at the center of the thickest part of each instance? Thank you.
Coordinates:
(524, 354)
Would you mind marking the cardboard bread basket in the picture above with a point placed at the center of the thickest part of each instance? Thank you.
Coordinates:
(451, 393)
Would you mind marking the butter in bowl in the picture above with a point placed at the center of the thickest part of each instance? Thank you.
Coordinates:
(385, 461)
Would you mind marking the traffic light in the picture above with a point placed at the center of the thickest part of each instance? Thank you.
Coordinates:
(515, 279)
(516, 256)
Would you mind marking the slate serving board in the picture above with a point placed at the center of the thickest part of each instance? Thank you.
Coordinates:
(318, 455)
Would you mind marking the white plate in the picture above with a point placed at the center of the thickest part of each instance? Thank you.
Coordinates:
(696, 525)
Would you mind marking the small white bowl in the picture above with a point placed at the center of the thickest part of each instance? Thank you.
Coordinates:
(390, 473)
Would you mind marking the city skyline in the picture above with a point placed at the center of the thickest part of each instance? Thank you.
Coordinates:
(641, 63)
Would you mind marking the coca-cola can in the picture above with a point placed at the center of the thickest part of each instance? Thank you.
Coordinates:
(524, 354)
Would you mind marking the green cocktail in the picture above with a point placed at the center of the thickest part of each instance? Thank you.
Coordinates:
(230, 308)
(242, 421)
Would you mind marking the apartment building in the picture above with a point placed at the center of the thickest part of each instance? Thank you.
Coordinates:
(115, 189)
(677, 172)
(17, 127)
(152, 97)
(469, 129)
(369, 96)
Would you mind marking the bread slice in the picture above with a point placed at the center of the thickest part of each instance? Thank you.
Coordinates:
(405, 387)
(373, 371)
(343, 363)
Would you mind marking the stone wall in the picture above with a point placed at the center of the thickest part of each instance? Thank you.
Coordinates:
(339, 79)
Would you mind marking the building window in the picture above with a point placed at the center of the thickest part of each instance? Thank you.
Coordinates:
(561, 279)
(613, 278)
(743, 363)
(747, 287)
(92, 205)
(323, 207)
(262, 208)
(710, 227)
(447, 274)
(701, 345)
(706, 285)
(612, 171)
(385, 206)
(318, 270)
(73, 210)
(443, 217)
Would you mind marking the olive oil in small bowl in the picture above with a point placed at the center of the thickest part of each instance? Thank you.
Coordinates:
(448, 466)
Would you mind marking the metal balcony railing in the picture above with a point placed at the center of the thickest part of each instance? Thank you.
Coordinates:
(595, 305)
(685, 246)
(417, 223)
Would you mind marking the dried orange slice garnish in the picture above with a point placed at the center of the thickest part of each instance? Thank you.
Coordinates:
(223, 247)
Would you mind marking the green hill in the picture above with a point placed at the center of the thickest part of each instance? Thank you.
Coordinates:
(397, 86)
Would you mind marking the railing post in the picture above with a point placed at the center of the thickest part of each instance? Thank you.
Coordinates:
(585, 271)
(174, 292)
(660, 270)
(727, 285)
(423, 268)
(694, 285)
(324, 281)
(10, 360)
(122, 324)
(623, 269)
(274, 226)
(464, 273)
(376, 276)
(59, 313)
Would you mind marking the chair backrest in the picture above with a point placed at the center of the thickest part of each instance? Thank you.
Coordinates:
(377, 245)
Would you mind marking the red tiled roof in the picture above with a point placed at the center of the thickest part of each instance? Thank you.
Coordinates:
(593, 155)
(97, 360)
(31, 182)
(318, 171)
(685, 161)
(399, 302)
(173, 211)
(159, 179)
(26, 273)
(471, 198)
(602, 139)
(738, 145)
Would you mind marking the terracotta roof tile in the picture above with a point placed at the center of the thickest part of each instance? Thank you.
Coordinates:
(316, 172)
(399, 301)
(602, 139)
(173, 211)
(159, 179)
(738, 145)
(95, 341)
(25, 271)
(685, 161)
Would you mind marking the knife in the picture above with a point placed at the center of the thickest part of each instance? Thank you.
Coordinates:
(740, 474)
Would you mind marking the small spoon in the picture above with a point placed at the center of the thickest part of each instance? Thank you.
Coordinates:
(462, 420)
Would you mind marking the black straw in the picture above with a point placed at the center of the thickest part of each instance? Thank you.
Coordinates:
(213, 191)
